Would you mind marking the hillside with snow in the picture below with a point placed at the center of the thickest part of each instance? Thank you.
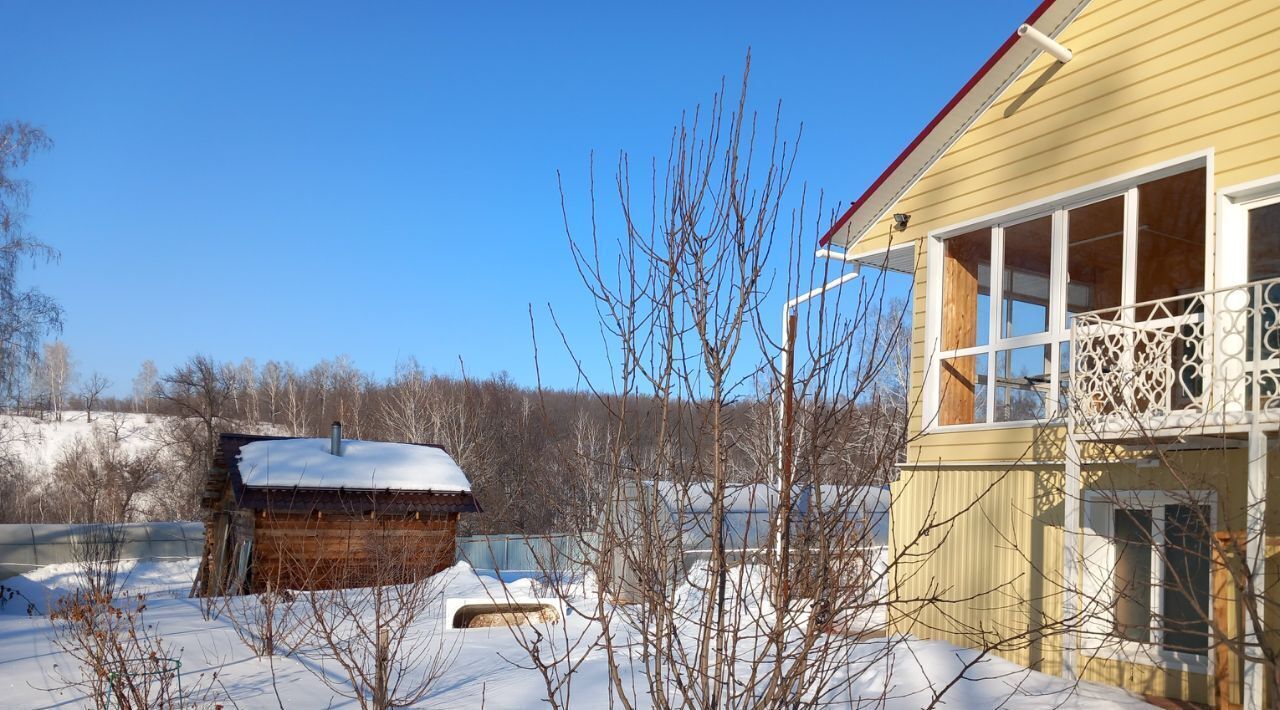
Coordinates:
(38, 443)
(116, 467)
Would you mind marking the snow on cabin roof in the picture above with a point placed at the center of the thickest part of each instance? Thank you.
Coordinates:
(307, 463)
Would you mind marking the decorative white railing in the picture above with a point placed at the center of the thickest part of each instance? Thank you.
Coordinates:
(1182, 365)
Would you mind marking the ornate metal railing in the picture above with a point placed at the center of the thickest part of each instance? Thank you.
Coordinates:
(1188, 364)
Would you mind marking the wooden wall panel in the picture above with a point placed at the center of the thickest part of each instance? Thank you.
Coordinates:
(301, 551)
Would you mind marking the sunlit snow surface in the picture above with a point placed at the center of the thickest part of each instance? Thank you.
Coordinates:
(484, 673)
(131, 576)
(307, 463)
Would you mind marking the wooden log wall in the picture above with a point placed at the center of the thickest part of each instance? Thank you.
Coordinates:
(335, 550)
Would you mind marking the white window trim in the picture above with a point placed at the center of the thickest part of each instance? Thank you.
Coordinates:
(1137, 652)
(1056, 205)
(1234, 203)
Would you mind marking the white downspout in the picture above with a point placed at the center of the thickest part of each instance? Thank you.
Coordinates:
(787, 308)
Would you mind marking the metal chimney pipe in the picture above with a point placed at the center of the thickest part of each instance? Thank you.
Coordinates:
(335, 439)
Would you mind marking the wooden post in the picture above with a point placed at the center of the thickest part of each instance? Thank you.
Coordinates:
(380, 699)
(787, 465)
(200, 585)
(1226, 685)
(960, 291)
(218, 563)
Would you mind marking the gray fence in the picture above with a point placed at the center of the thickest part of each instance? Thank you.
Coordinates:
(25, 547)
(521, 553)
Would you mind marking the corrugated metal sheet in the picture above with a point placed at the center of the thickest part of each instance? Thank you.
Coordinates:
(526, 554)
(24, 547)
(987, 530)
(1000, 561)
(1149, 82)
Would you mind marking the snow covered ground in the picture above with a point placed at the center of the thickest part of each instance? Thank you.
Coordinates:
(483, 672)
(150, 577)
(38, 442)
(154, 578)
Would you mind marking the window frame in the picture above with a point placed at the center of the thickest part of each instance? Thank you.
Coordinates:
(1058, 206)
(1234, 203)
(1111, 646)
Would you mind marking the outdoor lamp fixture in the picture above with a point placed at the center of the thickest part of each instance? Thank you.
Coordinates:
(900, 221)
(1041, 40)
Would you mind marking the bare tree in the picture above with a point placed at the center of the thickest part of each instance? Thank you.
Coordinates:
(296, 404)
(121, 661)
(368, 613)
(244, 392)
(349, 387)
(271, 382)
(55, 374)
(19, 495)
(697, 605)
(197, 396)
(728, 513)
(422, 408)
(405, 410)
(91, 391)
(200, 391)
(96, 478)
(144, 386)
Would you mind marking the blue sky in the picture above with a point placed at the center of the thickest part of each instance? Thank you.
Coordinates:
(297, 181)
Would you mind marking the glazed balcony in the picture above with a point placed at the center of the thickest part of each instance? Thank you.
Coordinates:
(1202, 364)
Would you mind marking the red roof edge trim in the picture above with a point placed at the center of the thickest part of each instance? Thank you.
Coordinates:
(973, 81)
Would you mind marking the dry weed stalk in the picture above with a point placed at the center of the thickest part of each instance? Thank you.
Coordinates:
(375, 615)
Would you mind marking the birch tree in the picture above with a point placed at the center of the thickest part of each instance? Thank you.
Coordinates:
(55, 375)
(26, 314)
(144, 386)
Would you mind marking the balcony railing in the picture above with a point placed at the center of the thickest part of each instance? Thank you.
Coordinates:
(1204, 363)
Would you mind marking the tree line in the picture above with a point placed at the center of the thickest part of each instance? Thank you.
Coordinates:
(527, 451)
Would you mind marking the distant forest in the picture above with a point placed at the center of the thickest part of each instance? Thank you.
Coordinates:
(530, 454)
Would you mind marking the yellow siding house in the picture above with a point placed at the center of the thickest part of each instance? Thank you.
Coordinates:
(1093, 224)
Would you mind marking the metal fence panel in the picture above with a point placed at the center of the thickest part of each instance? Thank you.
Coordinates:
(25, 547)
(521, 553)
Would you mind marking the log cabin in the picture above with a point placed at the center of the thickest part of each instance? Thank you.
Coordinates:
(295, 513)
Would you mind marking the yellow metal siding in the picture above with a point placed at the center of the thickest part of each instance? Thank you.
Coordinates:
(1150, 82)
(967, 580)
(990, 568)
